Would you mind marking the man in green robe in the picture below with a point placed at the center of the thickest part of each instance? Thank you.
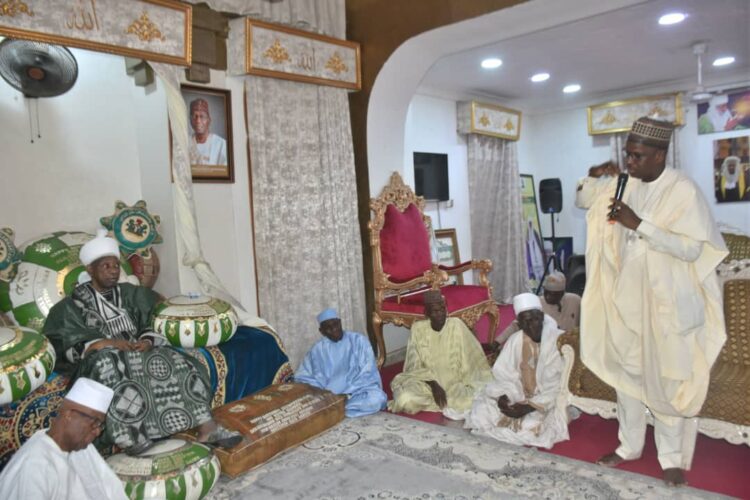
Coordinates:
(103, 332)
(445, 365)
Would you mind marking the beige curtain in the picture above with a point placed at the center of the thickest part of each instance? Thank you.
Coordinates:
(496, 220)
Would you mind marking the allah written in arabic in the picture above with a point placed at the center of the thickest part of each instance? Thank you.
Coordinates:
(82, 16)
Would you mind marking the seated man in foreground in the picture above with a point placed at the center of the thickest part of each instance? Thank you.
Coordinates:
(562, 306)
(60, 463)
(445, 365)
(520, 406)
(103, 332)
(343, 362)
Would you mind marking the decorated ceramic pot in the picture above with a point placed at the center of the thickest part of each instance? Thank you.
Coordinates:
(195, 321)
(48, 271)
(26, 359)
(173, 469)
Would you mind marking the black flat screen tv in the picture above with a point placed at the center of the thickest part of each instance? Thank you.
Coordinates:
(431, 176)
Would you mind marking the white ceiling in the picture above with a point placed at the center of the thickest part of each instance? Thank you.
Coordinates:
(617, 54)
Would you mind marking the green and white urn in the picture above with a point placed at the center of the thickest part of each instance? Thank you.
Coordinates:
(173, 469)
(26, 359)
(195, 321)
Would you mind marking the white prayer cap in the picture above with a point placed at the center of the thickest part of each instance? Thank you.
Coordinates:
(327, 314)
(91, 394)
(555, 282)
(718, 100)
(525, 302)
(99, 247)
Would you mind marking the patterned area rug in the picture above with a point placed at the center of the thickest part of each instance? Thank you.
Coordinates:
(384, 456)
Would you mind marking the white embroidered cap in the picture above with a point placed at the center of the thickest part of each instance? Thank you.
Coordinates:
(91, 394)
(526, 301)
(100, 246)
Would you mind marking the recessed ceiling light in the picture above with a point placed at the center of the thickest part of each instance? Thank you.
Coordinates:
(492, 63)
(672, 18)
(540, 77)
(573, 87)
(723, 61)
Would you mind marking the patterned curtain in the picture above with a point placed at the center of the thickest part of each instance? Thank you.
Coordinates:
(304, 196)
(496, 220)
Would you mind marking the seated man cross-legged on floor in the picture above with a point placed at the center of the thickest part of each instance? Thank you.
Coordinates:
(444, 367)
(103, 332)
(343, 362)
(60, 463)
(522, 404)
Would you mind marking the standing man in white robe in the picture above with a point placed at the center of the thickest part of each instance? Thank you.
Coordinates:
(652, 320)
(523, 404)
(343, 362)
(60, 463)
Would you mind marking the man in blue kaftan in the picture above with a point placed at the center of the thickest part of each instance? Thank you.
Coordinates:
(343, 362)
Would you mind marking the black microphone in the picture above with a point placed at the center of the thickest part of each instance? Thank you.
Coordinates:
(622, 179)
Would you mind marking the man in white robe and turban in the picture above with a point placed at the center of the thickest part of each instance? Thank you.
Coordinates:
(523, 404)
(652, 320)
(60, 463)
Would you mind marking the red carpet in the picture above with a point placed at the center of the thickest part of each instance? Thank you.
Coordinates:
(718, 466)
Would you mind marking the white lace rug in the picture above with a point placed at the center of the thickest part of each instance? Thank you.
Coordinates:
(384, 456)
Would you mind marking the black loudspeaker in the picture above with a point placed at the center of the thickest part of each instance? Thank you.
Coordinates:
(550, 196)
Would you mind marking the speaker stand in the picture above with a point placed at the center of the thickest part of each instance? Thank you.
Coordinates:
(552, 258)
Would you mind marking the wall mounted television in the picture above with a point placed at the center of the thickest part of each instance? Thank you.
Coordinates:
(431, 176)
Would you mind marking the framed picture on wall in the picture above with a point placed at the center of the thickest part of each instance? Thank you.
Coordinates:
(447, 250)
(731, 169)
(210, 135)
(532, 232)
(725, 112)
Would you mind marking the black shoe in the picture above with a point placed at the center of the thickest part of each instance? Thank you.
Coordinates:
(223, 438)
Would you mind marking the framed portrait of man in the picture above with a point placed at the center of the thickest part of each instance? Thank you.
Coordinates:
(210, 133)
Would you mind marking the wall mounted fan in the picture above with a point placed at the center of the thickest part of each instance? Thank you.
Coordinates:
(37, 69)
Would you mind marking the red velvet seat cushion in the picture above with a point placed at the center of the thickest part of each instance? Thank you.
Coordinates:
(457, 297)
(404, 244)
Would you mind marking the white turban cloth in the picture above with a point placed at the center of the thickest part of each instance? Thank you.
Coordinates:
(100, 246)
(525, 302)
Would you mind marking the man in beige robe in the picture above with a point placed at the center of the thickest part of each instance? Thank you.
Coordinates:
(652, 322)
(445, 365)
(564, 307)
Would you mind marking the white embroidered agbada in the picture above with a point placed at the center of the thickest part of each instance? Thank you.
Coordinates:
(41, 470)
(652, 322)
(548, 424)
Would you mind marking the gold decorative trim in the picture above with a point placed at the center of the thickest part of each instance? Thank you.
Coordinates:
(484, 120)
(145, 29)
(276, 52)
(184, 60)
(336, 64)
(512, 135)
(13, 7)
(250, 23)
(609, 118)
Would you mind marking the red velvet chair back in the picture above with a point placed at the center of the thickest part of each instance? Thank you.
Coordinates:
(404, 244)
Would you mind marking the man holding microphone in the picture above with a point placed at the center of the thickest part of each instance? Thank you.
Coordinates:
(652, 321)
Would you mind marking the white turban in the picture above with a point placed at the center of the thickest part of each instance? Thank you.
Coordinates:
(91, 394)
(718, 100)
(555, 282)
(525, 302)
(100, 246)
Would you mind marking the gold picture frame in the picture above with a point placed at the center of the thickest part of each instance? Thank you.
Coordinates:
(41, 25)
(618, 116)
(293, 54)
(476, 117)
(447, 250)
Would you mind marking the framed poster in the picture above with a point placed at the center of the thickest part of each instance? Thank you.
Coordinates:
(618, 116)
(210, 143)
(532, 232)
(731, 169)
(725, 112)
(447, 250)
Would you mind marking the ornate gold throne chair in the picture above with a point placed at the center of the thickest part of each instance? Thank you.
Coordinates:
(403, 269)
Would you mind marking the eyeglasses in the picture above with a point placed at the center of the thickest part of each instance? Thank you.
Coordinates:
(633, 156)
(96, 422)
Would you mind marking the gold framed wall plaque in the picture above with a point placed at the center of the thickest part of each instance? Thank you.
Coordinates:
(618, 116)
(155, 30)
(292, 54)
(489, 119)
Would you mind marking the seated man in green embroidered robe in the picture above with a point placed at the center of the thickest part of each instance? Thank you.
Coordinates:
(103, 332)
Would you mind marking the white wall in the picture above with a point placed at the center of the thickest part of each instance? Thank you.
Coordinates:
(108, 140)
